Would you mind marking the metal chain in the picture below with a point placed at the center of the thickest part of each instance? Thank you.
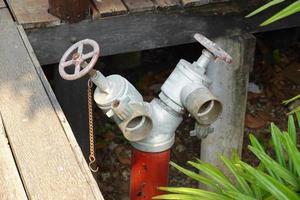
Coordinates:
(91, 127)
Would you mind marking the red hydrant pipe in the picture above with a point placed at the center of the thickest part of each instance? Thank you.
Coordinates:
(148, 171)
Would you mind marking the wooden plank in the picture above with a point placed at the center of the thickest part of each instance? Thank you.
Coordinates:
(45, 158)
(167, 4)
(60, 114)
(229, 84)
(2, 4)
(140, 5)
(32, 13)
(10, 181)
(136, 32)
(106, 8)
(200, 2)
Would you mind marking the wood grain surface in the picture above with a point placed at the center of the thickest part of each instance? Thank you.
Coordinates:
(10, 181)
(43, 151)
(32, 13)
(107, 8)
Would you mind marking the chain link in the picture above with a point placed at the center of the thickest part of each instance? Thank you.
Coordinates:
(91, 127)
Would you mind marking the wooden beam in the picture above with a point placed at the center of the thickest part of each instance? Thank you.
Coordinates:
(136, 32)
(32, 13)
(167, 4)
(10, 181)
(229, 84)
(48, 158)
(140, 5)
(2, 4)
(107, 8)
(200, 2)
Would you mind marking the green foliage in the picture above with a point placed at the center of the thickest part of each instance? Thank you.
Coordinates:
(289, 10)
(274, 178)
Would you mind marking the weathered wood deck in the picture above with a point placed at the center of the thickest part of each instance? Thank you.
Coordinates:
(129, 25)
(39, 156)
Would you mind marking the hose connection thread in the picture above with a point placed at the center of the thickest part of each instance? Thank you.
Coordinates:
(202, 105)
(133, 119)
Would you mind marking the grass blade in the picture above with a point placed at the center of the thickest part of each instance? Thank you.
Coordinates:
(276, 133)
(237, 195)
(292, 129)
(298, 118)
(195, 192)
(279, 170)
(270, 184)
(255, 143)
(214, 173)
(210, 183)
(289, 10)
(285, 102)
(264, 7)
(177, 197)
(292, 151)
(243, 185)
(293, 135)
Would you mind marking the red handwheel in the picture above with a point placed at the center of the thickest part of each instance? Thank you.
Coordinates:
(148, 172)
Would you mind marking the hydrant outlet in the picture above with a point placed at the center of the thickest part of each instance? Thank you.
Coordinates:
(202, 105)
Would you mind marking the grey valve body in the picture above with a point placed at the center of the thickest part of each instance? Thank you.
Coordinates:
(151, 127)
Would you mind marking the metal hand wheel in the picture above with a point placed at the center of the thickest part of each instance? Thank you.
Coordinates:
(213, 48)
(78, 60)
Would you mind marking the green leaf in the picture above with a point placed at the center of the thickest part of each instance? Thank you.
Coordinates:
(255, 143)
(195, 192)
(291, 99)
(292, 151)
(292, 129)
(298, 118)
(276, 133)
(178, 197)
(238, 195)
(270, 184)
(210, 183)
(264, 7)
(240, 180)
(279, 170)
(289, 10)
(295, 110)
(293, 135)
(214, 173)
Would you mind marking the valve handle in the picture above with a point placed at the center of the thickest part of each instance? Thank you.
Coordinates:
(213, 48)
(81, 67)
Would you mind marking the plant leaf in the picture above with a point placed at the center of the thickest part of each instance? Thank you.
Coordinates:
(177, 197)
(210, 183)
(293, 136)
(264, 7)
(298, 118)
(289, 10)
(255, 143)
(279, 170)
(292, 151)
(291, 99)
(237, 195)
(240, 180)
(195, 192)
(214, 173)
(270, 184)
(295, 110)
(276, 133)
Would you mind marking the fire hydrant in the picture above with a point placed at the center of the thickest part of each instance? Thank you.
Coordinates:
(150, 127)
